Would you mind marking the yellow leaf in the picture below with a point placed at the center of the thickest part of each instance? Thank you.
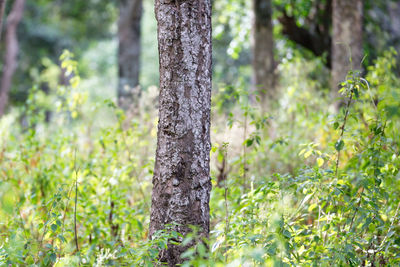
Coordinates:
(320, 162)
(308, 153)
(312, 207)
(75, 82)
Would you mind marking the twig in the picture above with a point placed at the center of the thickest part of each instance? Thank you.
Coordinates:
(358, 207)
(370, 93)
(44, 230)
(226, 212)
(342, 130)
(391, 225)
(65, 214)
(76, 202)
(244, 144)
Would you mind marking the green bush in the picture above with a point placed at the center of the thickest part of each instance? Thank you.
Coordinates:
(302, 187)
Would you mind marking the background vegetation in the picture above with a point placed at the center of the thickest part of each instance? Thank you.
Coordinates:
(303, 184)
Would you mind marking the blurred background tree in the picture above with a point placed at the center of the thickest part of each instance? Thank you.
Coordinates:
(284, 166)
(298, 27)
(129, 49)
(48, 27)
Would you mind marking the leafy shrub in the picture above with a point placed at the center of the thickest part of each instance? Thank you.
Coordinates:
(75, 192)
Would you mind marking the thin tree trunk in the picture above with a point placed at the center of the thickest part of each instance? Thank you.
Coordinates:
(394, 11)
(263, 51)
(181, 182)
(2, 8)
(316, 36)
(129, 25)
(10, 60)
(347, 39)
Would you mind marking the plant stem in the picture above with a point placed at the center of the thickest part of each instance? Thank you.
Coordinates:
(244, 144)
(395, 218)
(226, 214)
(76, 202)
(355, 212)
(342, 130)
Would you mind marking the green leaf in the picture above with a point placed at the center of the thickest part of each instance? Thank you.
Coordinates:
(249, 142)
(287, 233)
(339, 145)
(336, 125)
(54, 227)
(187, 254)
(53, 257)
(62, 238)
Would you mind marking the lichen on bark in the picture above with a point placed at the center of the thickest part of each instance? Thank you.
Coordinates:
(181, 182)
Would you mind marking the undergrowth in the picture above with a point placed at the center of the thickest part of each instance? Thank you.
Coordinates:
(299, 186)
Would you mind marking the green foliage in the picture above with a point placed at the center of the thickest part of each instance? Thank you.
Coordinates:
(49, 27)
(339, 209)
(333, 199)
(299, 186)
(40, 163)
(236, 18)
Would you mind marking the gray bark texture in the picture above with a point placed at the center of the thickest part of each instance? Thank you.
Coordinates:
(129, 31)
(10, 59)
(263, 50)
(347, 39)
(2, 8)
(181, 182)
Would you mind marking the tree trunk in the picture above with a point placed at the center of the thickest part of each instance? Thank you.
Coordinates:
(315, 36)
(10, 59)
(263, 50)
(181, 182)
(394, 11)
(347, 40)
(129, 25)
(2, 8)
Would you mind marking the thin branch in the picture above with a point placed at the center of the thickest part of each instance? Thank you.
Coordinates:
(395, 218)
(226, 208)
(356, 210)
(76, 202)
(342, 129)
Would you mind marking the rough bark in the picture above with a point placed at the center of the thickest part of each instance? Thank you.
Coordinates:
(347, 45)
(129, 25)
(181, 182)
(10, 60)
(263, 50)
(2, 8)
